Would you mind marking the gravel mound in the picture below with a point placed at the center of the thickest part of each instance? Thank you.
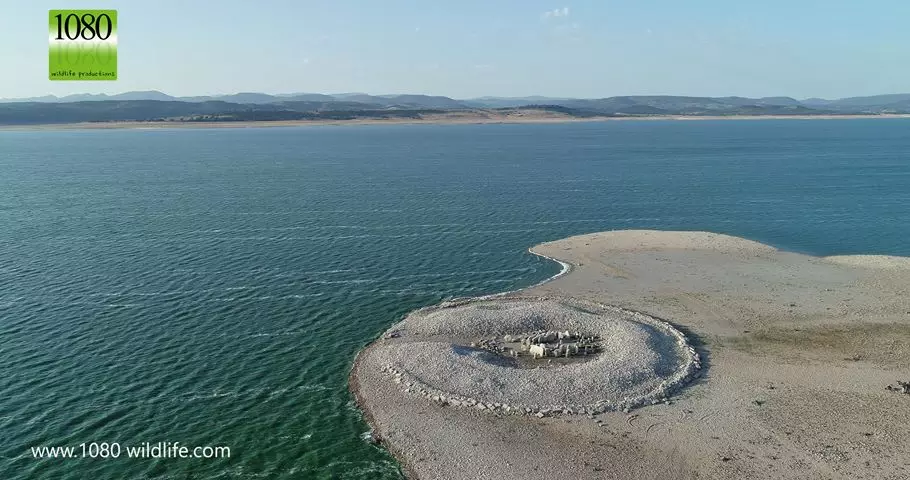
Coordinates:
(643, 359)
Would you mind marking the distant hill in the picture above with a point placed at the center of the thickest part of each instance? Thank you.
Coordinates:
(25, 113)
(872, 101)
(695, 106)
(426, 101)
(403, 101)
(775, 101)
(309, 97)
(86, 97)
(39, 113)
(507, 102)
(252, 106)
(149, 95)
(255, 98)
(249, 97)
(874, 104)
(678, 105)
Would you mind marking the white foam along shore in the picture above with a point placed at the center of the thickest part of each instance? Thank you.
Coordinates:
(565, 269)
(796, 343)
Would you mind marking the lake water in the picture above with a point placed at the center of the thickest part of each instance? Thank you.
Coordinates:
(212, 287)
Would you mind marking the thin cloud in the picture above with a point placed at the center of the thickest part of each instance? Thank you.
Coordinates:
(559, 12)
(567, 32)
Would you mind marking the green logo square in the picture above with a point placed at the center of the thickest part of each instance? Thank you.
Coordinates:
(83, 45)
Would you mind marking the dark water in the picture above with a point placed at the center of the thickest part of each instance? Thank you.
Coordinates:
(211, 287)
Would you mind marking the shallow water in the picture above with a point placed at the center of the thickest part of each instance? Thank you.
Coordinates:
(212, 286)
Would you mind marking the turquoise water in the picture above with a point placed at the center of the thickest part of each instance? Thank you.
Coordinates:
(211, 287)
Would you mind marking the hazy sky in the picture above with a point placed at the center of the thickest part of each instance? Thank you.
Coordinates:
(466, 48)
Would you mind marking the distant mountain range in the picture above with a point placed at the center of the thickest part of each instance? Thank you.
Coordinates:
(872, 104)
(252, 106)
(254, 98)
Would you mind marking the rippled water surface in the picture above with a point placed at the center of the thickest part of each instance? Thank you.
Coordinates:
(212, 286)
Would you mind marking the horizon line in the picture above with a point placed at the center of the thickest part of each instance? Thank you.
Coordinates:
(556, 97)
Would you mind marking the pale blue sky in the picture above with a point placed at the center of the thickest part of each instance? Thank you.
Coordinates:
(466, 48)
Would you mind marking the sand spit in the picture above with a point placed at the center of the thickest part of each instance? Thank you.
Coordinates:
(803, 359)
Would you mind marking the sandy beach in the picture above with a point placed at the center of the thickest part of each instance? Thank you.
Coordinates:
(795, 355)
(448, 118)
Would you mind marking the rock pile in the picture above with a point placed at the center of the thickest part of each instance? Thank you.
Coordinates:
(902, 387)
(554, 344)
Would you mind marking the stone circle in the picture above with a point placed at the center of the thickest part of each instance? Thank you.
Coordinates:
(439, 352)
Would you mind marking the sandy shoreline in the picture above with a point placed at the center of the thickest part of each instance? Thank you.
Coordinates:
(444, 119)
(798, 353)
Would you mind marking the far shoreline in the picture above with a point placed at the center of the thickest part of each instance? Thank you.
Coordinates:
(432, 120)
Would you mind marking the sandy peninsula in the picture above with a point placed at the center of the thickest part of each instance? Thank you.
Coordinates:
(787, 367)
